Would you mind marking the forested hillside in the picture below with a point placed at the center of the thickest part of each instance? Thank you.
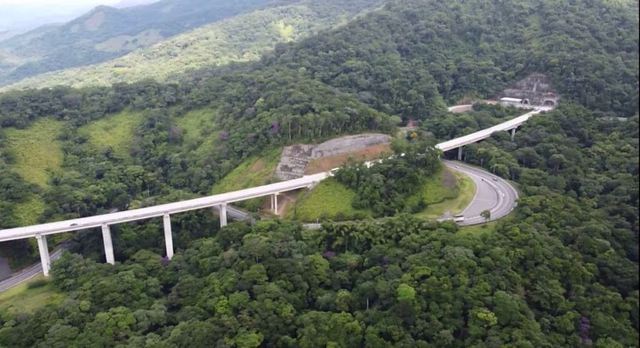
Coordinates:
(408, 57)
(562, 270)
(107, 32)
(241, 38)
(359, 77)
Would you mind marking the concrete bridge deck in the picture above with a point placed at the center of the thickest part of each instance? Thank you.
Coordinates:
(219, 201)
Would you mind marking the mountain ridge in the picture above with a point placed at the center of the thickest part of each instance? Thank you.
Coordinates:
(85, 40)
(240, 38)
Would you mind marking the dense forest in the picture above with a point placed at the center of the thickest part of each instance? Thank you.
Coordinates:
(562, 270)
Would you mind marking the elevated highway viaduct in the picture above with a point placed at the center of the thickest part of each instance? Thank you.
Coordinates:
(219, 201)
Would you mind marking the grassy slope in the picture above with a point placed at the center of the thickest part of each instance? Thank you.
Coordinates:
(443, 198)
(239, 39)
(255, 171)
(198, 129)
(37, 150)
(328, 200)
(21, 299)
(443, 192)
(115, 131)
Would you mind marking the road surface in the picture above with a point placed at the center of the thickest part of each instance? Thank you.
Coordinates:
(27, 273)
(492, 193)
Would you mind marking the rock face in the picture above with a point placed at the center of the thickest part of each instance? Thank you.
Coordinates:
(295, 158)
(536, 89)
(293, 161)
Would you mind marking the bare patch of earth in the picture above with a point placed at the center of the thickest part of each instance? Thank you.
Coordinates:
(295, 160)
(324, 164)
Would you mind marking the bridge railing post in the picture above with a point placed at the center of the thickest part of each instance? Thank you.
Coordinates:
(43, 249)
(168, 235)
(108, 244)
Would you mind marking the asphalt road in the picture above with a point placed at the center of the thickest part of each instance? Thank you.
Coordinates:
(492, 193)
(27, 273)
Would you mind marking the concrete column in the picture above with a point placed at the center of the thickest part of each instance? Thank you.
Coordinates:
(275, 204)
(43, 248)
(168, 235)
(223, 215)
(513, 134)
(108, 244)
(460, 153)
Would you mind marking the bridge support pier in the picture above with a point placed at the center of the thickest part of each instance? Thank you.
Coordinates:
(223, 215)
(43, 249)
(460, 153)
(108, 245)
(274, 203)
(513, 134)
(168, 235)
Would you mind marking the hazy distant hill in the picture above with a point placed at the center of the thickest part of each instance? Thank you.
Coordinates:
(241, 38)
(106, 32)
(131, 3)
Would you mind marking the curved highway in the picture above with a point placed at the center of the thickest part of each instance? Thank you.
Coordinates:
(492, 193)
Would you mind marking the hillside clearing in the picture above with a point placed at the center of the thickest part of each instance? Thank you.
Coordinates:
(198, 130)
(443, 197)
(37, 150)
(330, 200)
(115, 132)
(255, 171)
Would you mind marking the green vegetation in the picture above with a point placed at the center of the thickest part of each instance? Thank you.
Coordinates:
(389, 187)
(29, 297)
(482, 229)
(561, 271)
(196, 125)
(241, 38)
(198, 130)
(29, 211)
(105, 33)
(115, 132)
(36, 150)
(255, 171)
(441, 198)
(330, 200)
(441, 186)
